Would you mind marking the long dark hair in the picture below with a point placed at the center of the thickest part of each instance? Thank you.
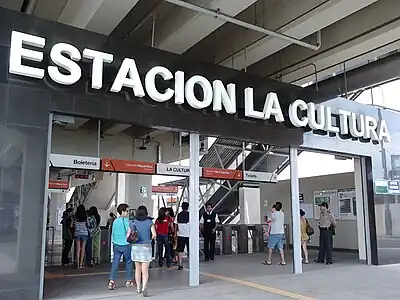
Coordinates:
(95, 213)
(141, 213)
(170, 212)
(80, 214)
(162, 214)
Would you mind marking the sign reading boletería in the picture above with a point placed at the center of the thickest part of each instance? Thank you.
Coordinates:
(216, 94)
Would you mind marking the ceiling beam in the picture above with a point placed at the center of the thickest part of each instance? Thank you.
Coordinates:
(100, 16)
(377, 33)
(115, 128)
(185, 27)
(301, 26)
(78, 123)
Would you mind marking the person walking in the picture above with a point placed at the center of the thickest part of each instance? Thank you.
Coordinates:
(208, 226)
(121, 247)
(327, 227)
(277, 233)
(182, 222)
(141, 249)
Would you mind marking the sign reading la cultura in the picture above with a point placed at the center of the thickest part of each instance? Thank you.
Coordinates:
(301, 114)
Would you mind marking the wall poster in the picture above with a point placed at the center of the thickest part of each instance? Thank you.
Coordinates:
(347, 204)
(328, 196)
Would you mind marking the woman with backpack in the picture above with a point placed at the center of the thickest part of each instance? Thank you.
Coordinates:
(141, 248)
(306, 230)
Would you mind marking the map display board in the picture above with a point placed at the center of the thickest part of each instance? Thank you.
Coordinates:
(347, 204)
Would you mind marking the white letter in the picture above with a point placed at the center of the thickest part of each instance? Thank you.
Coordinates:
(207, 92)
(316, 116)
(17, 53)
(179, 87)
(383, 132)
(249, 105)
(357, 129)
(272, 107)
(56, 55)
(370, 128)
(128, 68)
(150, 83)
(328, 121)
(344, 121)
(97, 67)
(293, 116)
(222, 96)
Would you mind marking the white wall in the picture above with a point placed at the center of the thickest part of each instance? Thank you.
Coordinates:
(121, 146)
(346, 232)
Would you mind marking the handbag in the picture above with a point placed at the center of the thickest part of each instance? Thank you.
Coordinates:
(309, 230)
(132, 238)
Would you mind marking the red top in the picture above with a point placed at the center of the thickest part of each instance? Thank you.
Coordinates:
(162, 227)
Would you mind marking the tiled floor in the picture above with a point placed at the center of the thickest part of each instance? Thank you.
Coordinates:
(239, 277)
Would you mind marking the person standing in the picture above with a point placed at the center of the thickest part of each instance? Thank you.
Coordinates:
(277, 233)
(141, 249)
(81, 234)
(163, 227)
(67, 236)
(121, 247)
(208, 225)
(182, 221)
(327, 226)
(96, 234)
(304, 235)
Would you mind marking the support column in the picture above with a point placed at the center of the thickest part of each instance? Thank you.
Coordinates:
(361, 237)
(295, 203)
(249, 204)
(194, 257)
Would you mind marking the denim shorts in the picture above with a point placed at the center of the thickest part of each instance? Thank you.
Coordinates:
(81, 237)
(275, 241)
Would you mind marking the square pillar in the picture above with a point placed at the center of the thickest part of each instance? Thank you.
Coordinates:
(249, 203)
(295, 204)
(194, 195)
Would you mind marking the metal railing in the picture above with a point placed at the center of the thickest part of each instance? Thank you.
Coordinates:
(49, 251)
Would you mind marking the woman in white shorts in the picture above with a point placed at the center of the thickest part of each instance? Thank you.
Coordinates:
(141, 250)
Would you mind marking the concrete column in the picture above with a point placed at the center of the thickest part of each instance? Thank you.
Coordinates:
(249, 203)
(295, 201)
(361, 235)
(138, 191)
(194, 195)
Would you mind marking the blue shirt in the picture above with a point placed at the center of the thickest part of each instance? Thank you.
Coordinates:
(119, 231)
(144, 231)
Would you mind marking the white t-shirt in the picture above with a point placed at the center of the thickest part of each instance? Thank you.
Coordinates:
(278, 223)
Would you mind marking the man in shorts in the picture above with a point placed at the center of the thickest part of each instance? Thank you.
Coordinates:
(183, 232)
(276, 234)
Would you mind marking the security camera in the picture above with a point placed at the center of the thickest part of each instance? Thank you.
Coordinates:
(202, 147)
(57, 122)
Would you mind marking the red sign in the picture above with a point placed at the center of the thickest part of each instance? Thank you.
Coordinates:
(222, 174)
(127, 166)
(165, 189)
(58, 185)
(81, 176)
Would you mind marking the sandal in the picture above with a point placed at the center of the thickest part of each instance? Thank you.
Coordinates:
(267, 263)
(129, 284)
(145, 293)
(282, 263)
(111, 285)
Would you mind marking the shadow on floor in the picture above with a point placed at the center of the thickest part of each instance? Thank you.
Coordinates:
(91, 283)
